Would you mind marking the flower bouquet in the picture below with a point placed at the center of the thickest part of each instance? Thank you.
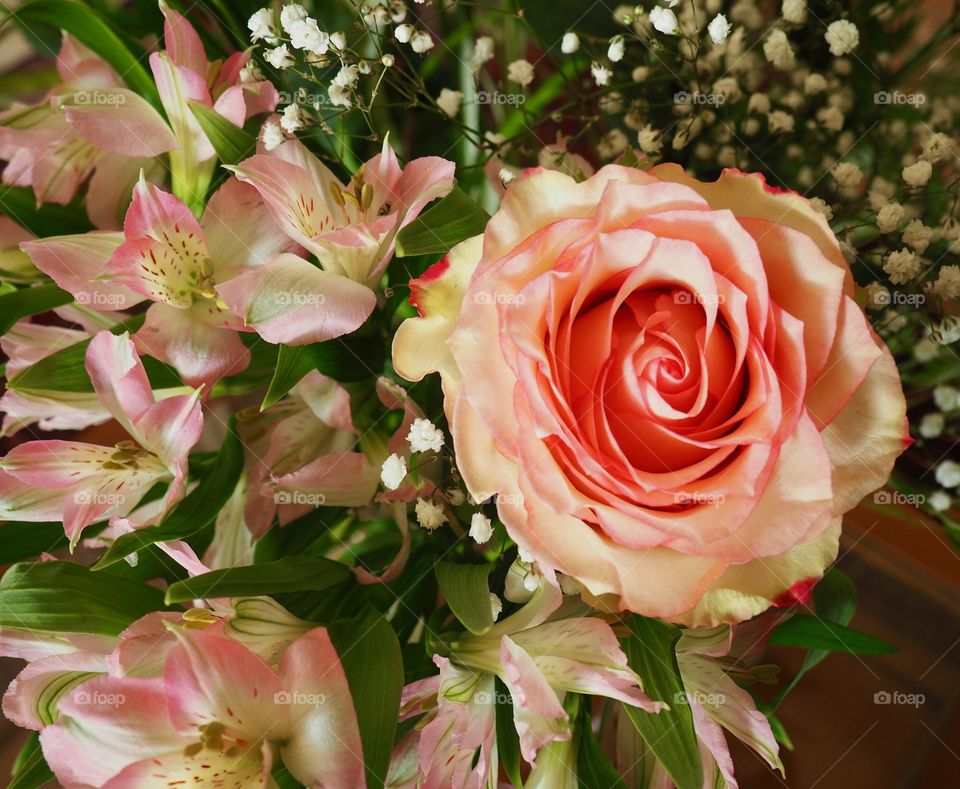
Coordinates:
(457, 394)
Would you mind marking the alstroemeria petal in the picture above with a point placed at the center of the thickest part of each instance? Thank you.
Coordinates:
(323, 747)
(201, 353)
(250, 768)
(78, 264)
(106, 724)
(119, 121)
(182, 42)
(118, 378)
(537, 713)
(31, 699)
(291, 301)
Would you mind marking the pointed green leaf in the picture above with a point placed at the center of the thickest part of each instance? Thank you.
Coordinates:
(20, 204)
(67, 597)
(30, 769)
(467, 593)
(197, 510)
(594, 769)
(290, 574)
(372, 660)
(344, 359)
(508, 740)
(651, 652)
(442, 226)
(231, 143)
(20, 540)
(802, 630)
(30, 301)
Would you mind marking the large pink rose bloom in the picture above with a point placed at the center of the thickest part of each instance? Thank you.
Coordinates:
(666, 383)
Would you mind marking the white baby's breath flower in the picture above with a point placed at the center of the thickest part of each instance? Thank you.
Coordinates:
(570, 43)
(948, 473)
(429, 514)
(719, 28)
(777, 49)
(917, 174)
(601, 74)
(424, 436)
(901, 266)
(449, 101)
(481, 528)
(917, 235)
(648, 140)
(931, 425)
(664, 21)
(388, 60)
(292, 118)
(338, 41)
(830, 118)
(403, 33)
(279, 57)
(947, 285)
(615, 50)
(842, 36)
(421, 42)
(392, 472)
(936, 147)
(939, 501)
(291, 14)
(821, 207)
(946, 397)
(795, 11)
(847, 174)
(889, 217)
(759, 103)
(261, 26)
(520, 71)
(483, 51)
(272, 135)
(814, 83)
(780, 121)
(306, 35)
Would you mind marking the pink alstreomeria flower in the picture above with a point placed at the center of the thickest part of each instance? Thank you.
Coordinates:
(219, 716)
(80, 484)
(183, 75)
(351, 229)
(540, 652)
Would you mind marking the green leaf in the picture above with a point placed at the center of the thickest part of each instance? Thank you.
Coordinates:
(594, 770)
(802, 630)
(372, 660)
(508, 740)
(651, 652)
(69, 598)
(444, 225)
(65, 371)
(30, 301)
(468, 594)
(20, 540)
(20, 204)
(84, 24)
(345, 359)
(231, 143)
(30, 769)
(197, 510)
(290, 574)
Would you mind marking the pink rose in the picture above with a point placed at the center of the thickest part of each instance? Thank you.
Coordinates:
(667, 384)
